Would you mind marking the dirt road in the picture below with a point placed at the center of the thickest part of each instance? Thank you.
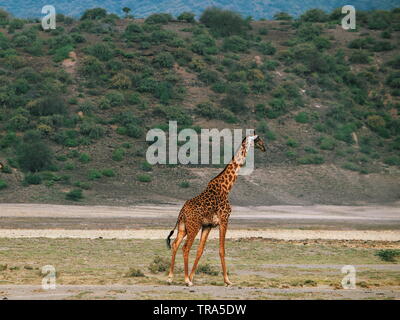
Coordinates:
(317, 217)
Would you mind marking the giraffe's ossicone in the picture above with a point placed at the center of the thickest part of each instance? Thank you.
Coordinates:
(209, 209)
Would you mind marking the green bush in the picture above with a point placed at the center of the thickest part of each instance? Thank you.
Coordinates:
(327, 143)
(302, 117)
(164, 60)
(69, 166)
(184, 184)
(392, 160)
(155, 18)
(145, 166)
(33, 154)
(311, 159)
(62, 53)
(314, 15)
(118, 154)
(186, 16)
(83, 185)
(134, 273)
(94, 174)
(209, 76)
(351, 166)
(223, 22)
(207, 269)
(108, 172)
(292, 143)
(267, 48)
(48, 105)
(101, 51)
(171, 113)
(144, 178)
(89, 129)
(360, 57)
(388, 255)
(85, 158)
(91, 67)
(235, 44)
(94, 14)
(134, 131)
(74, 195)
(159, 264)
(3, 184)
(32, 179)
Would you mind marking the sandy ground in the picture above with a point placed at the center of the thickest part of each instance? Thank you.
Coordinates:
(152, 234)
(31, 292)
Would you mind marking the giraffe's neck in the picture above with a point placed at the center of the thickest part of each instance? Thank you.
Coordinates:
(228, 176)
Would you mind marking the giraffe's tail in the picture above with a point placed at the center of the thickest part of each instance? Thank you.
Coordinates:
(168, 240)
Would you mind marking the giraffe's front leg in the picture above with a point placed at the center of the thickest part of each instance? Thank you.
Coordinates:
(222, 232)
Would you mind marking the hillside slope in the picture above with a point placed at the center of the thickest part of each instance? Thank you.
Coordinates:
(143, 8)
(76, 103)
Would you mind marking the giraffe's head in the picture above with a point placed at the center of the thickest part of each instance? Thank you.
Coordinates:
(258, 142)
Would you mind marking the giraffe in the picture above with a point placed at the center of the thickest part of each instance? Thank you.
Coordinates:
(209, 209)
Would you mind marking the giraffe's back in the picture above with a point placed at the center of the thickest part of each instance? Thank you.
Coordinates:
(206, 209)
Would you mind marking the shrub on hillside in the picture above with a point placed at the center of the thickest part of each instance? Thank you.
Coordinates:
(223, 22)
(91, 67)
(74, 195)
(101, 51)
(326, 143)
(311, 159)
(282, 16)
(121, 81)
(314, 15)
(33, 154)
(235, 44)
(118, 154)
(186, 16)
(209, 76)
(144, 178)
(3, 184)
(164, 60)
(49, 105)
(108, 172)
(94, 174)
(174, 113)
(267, 48)
(156, 18)
(32, 179)
(392, 160)
(302, 117)
(94, 14)
(361, 57)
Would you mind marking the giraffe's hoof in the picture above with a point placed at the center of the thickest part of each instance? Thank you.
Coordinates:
(169, 280)
(228, 283)
(189, 283)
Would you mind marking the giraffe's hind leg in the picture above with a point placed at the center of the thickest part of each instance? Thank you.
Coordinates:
(191, 235)
(204, 235)
(175, 247)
